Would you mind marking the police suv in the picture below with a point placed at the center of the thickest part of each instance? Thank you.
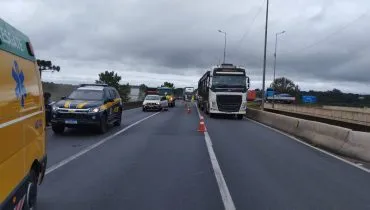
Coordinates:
(96, 105)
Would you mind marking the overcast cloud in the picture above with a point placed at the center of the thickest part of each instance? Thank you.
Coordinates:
(325, 46)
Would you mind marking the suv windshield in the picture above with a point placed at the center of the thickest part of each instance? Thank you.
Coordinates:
(228, 81)
(93, 95)
(152, 98)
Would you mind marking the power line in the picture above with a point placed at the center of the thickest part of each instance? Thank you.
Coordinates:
(331, 34)
(250, 26)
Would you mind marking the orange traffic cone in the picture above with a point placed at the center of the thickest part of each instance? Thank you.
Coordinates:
(202, 126)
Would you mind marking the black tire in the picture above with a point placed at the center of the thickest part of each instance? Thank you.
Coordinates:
(58, 128)
(211, 115)
(31, 194)
(240, 116)
(144, 110)
(119, 120)
(103, 127)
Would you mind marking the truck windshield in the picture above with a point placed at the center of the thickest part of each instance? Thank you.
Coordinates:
(228, 81)
(163, 91)
(93, 95)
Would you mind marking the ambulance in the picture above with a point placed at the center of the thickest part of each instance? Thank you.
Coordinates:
(22, 121)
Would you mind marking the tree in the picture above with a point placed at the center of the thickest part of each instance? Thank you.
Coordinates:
(284, 85)
(110, 78)
(124, 91)
(142, 90)
(46, 66)
(168, 84)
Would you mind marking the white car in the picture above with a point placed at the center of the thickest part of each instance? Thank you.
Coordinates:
(155, 102)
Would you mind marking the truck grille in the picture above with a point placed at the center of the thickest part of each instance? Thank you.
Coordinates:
(229, 103)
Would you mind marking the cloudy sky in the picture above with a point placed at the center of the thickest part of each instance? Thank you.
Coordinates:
(326, 44)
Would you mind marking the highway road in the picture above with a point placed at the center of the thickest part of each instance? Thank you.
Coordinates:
(160, 161)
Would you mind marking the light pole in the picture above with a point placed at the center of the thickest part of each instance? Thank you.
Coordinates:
(264, 58)
(276, 36)
(273, 81)
(225, 44)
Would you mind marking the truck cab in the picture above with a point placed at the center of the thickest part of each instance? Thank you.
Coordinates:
(223, 90)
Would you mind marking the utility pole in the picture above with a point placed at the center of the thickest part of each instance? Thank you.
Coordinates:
(264, 58)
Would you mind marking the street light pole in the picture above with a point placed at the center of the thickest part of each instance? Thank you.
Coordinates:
(264, 58)
(224, 45)
(276, 40)
(273, 81)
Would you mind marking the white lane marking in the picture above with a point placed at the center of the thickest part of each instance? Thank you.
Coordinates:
(222, 186)
(3, 125)
(309, 145)
(91, 147)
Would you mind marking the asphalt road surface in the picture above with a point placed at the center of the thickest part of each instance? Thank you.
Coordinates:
(160, 161)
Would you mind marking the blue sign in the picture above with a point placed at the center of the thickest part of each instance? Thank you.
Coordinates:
(20, 89)
(309, 99)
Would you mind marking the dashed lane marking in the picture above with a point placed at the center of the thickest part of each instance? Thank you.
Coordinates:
(222, 186)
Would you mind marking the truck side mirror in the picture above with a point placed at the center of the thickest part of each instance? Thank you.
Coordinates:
(248, 83)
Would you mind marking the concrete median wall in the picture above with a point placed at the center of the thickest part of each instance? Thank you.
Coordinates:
(340, 140)
(345, 114)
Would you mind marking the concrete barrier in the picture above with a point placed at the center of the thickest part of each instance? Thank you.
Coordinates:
(340, 140)
(357, 145)
(321, 134)
(348, 115)
(282, 122)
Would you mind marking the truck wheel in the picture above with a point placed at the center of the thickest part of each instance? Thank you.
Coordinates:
(58, 128)
(103, 128)
(31, 194)
(144, 110)
(240, 116)
(211, 115)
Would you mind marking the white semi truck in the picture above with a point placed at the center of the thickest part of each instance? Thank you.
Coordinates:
(223, 90)
(188, 93)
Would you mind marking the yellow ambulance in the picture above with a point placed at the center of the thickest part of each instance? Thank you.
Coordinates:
(22, 121)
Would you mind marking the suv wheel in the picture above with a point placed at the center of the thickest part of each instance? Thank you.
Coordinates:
(103, 128)
(58, 128)
(119, 119)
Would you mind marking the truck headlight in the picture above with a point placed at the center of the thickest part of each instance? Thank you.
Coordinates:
(157, 103)
(214, 104)
(243, 106)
